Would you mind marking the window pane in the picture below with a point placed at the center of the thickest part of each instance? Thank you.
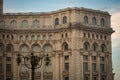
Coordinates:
(85, 78)
(94, 58)
(66, 78)
(85, 66)
(67, 66)
(8, 58)
(93, 67)
(85, 57)
(47, 48)
(85, 19)
(8, 67)
(0, 67)
(64, 19)
(102, 67)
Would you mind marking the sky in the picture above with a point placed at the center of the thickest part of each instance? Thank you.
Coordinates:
(112, 6)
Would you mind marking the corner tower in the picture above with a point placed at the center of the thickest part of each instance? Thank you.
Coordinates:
(1, 7)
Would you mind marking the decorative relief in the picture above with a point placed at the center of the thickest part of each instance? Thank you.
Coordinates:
(24, 74)
(48, 75)
(65, 73)
(9, 74)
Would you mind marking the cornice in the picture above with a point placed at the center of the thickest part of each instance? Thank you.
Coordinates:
(57, 11)
(72, 26)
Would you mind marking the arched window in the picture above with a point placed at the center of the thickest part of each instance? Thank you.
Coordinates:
(24, 23)
(36, 23)
(26, 37)
(2, 23)
(32, 37)
(9, 48)
(65, 46)
(94, 47)
(21, 37)
(38, 37)
(47, 48)
(86, 46)
(64, 19)
(103, 48)
(94, 21)
(12, 37)
(56, 21)
(13, 23)
(1, 47)
(36, 48)
(24, 48)
(102, 22)
(85, 19)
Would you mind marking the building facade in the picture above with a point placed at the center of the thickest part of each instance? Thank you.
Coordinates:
(78, 41)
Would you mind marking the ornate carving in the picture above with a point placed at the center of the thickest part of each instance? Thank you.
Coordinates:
(48, 75)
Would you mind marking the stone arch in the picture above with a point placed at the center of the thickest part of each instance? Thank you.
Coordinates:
(64, 19)
(2, 47)
(94, 22)
(103, 48)
(24, 48)
(47, 47)
(36, 23)
(65, 46)
(13, 23)
(102, 22)
(86, 46)
(35, 47)
(9, 48)
(56, 21)
(85, 19)
(94, 46)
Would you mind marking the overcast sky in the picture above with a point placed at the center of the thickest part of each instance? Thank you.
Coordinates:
(112, 6)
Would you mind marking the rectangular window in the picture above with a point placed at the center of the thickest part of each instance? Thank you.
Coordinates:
(66, 57)
(38, 37)
(44, 37)
(85, 78)
(0, 58)
(8, 58)
(67, 66)
(0, 67)
(94, 78)
(8, 67)
(85, 66)
(85, 57)
(49, 37)
(93, 58)
(102, 67)
(66, 78)
(32, 37)
(93, 67)
(102, 59)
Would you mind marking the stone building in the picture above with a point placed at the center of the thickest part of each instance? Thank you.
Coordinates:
(78, 41)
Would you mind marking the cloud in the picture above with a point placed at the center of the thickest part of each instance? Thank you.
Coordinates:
(115, 23)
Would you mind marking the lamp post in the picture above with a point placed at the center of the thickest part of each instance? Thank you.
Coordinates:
(33, 60)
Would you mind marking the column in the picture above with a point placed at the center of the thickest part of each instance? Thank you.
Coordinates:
(98, 65)
(90, 65)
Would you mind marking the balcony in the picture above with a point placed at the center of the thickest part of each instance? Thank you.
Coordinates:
(95, 73)
(87, 73)
(37, 74)
(24, 74)
(103, 73)
(48, 75)
(1, 74)
(9, 74)
(65, 73)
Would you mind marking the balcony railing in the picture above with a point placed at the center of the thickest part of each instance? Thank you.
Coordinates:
(48, 75)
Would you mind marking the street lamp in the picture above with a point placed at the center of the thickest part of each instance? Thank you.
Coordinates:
(33, 60)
